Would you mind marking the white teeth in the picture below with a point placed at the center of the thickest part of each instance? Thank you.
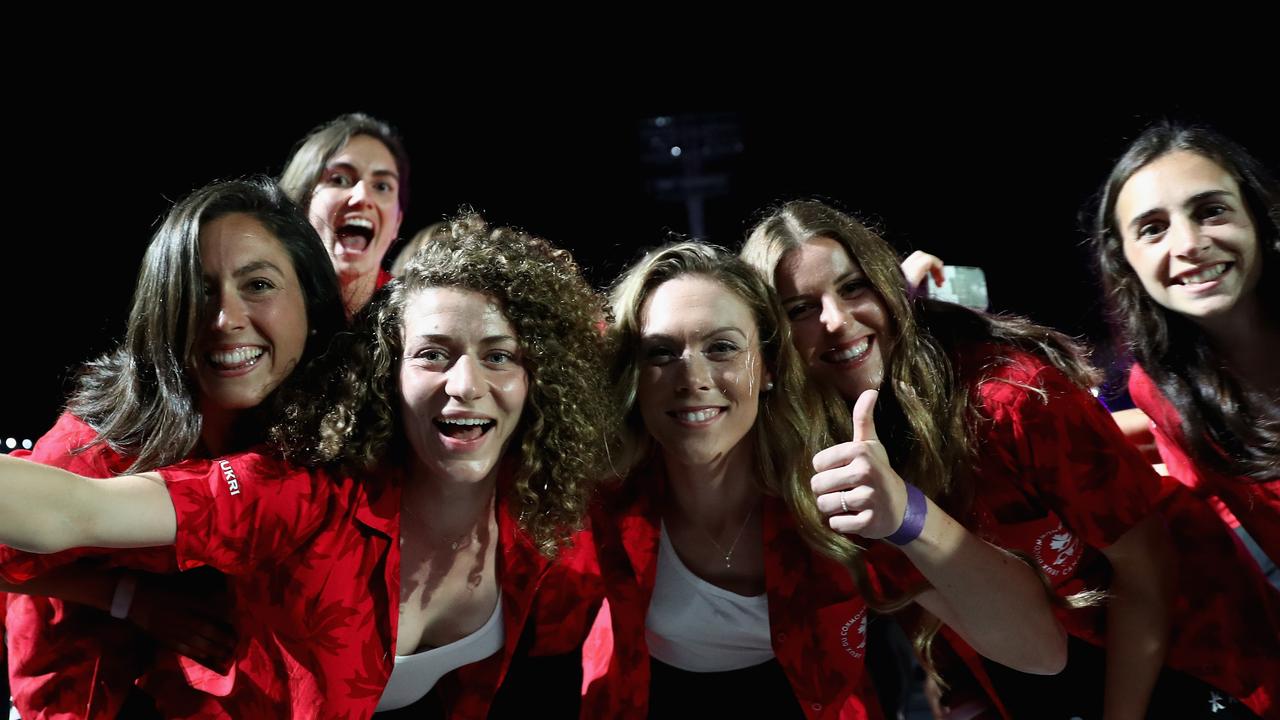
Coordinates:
(465, 421)
(358, 222)
(853, 351)
(1205, 275)
(239, 356)
(698, 415)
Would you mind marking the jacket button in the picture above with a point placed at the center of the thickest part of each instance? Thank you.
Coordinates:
(816, 707)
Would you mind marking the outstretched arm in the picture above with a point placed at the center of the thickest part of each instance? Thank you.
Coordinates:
(45, 509)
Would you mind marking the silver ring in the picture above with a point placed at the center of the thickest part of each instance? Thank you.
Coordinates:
(843, 506)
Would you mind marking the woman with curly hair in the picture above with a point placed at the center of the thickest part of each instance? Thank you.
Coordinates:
(726, 591)
(991, 416)
(465, 434)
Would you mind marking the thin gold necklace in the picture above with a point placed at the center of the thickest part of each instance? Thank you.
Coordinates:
(728, 554)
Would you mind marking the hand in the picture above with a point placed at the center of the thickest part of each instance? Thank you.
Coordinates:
(919, 266)
(856, 487)
(187, 613)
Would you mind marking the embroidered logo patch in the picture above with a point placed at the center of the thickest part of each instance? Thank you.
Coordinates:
(1058, 552)
(856, 645)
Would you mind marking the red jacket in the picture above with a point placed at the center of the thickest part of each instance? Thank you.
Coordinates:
(66, 660)
(816, 617)
(1057, 481)
(314, 565)
(1254, 505)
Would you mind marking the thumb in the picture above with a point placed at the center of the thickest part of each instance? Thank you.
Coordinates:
(864, 425)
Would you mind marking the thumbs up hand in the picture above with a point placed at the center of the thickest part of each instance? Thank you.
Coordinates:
(856, 487)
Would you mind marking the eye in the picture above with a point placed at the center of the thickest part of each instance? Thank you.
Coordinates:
(722, 349)
(500, 357)
(659, 355)
(260, 285)
(431, 356)
(799, 311)
(1211, 211)
(1151, 230)
(384, 187)
(853, 287)
(339, 180)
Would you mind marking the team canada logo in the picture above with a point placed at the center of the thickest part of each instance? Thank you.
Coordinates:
(853, 634)
(1058, 552)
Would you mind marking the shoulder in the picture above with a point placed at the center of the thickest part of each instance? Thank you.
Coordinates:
(58, 447)
(1007, 379)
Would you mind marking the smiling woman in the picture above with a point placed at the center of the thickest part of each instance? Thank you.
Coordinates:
(235, 292)
(1187, 235)
(256, 330)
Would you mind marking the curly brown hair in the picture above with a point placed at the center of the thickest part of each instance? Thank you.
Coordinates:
(559, 452)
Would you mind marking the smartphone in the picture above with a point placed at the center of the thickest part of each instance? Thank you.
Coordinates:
(964, 286)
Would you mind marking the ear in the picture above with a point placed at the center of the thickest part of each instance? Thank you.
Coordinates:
(767, 380)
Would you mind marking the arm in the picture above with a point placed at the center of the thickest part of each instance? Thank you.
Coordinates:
(45, 509)
(186, 613)
(1137, 430)
(1137, 616)
(74, 583)
(861, 493)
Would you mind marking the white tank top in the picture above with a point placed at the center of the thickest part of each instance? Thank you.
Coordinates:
(414, 675)
(696, 626)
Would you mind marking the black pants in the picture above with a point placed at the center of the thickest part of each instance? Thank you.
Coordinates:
(758, 691)
(1077, 692)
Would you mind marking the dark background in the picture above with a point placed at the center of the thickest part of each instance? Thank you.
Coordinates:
(993, 177)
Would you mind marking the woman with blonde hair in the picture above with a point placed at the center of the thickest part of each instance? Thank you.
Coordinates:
(726, 589)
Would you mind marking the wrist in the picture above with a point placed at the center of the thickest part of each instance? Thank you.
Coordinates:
(913, 517)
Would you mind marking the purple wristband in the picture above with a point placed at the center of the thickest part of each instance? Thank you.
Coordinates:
(912, 519)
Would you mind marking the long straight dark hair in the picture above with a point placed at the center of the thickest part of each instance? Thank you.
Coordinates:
(1226, 426)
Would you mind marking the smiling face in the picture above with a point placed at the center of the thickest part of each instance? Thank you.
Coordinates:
(254, 324)
(463, 384)
(701, 370)
(838, 322)
(355, 206)
(1188, 236)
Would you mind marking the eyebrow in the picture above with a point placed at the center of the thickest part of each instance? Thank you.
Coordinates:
(256, 266)
(352, 168)
(663, 337)
(439, 338)
(1196, 199)
(851, 275)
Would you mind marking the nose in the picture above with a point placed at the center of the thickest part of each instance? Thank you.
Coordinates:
(231, 314)
(833, 316)
(465, 379)
(359, 194)
(1186, 238)
(697, 373)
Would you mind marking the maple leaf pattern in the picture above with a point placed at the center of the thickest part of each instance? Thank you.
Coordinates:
(810, 600)
(1054, 468)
